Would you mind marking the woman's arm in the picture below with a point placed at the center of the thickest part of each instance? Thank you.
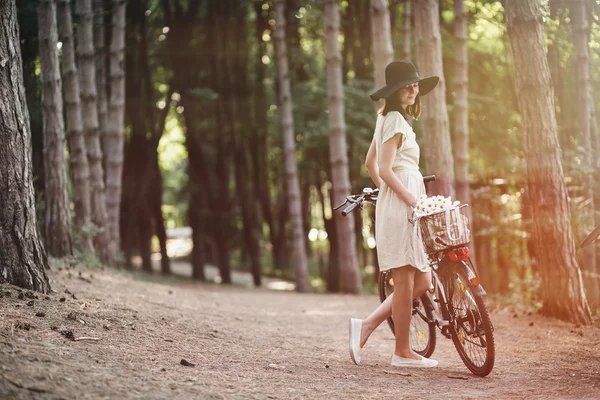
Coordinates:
(371, 164)
(386, 159)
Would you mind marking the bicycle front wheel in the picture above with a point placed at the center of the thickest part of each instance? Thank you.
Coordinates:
(422, 329)
(472, 330)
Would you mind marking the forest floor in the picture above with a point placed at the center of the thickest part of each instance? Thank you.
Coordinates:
(247, 343)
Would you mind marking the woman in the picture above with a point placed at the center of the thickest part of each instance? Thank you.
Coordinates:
(393, 165)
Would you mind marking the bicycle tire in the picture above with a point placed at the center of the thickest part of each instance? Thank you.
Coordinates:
(418, 324)
(591, 237)
(459, 333)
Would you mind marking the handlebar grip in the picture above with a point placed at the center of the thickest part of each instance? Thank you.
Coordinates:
(349, 209)
(429, 178)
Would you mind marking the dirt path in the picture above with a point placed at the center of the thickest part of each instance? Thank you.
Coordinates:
(255, 344)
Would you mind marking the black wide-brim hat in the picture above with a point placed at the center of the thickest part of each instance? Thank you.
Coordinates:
(402, 73)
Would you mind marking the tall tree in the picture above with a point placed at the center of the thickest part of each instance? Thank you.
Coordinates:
(100, 60)
(87, 82)
(79, 163)
(383, 52)
(438, 150)
(347, 260)
(461, 115)
(289, 150)
(461, 109)
(406, 29)
(260, 138)
(24, 260)
(141, 199)
(562, 286)
(115, 129)
(579, 21)
(237, 57)
(58, 223)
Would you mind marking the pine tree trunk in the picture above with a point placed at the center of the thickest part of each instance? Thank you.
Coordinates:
(58, 224)
(24, 260)
(556, 71)
(115, 130)
(461, 143)
(289, 151)
(406, 25)
(562, 286)
(87, 85)
(438, 149)
(584, 107)
(383, 52)
(461, 113)
(348, 263)
(79, 163)
(100, 64)
(237, 62)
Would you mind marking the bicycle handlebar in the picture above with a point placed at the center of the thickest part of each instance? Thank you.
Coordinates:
(368, 195)
(351, 207)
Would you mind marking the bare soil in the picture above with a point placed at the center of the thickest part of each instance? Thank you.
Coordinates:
(240, 343)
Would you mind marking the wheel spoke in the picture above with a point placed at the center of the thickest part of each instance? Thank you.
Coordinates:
(468, 324)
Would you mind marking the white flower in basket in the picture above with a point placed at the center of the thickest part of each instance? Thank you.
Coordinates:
(441, 223)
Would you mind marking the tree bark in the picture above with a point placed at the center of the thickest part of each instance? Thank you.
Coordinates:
(406, 25)
(24, 260)
(584, 110)
(461, 113)
(58, 224)
(79, 163)
(115, 130)
(461, 143)
(562, 286)
(289, 151)
(438, 149)
(237, 62)
(383, 52)
(87, 83)
(259, 138)
(349, 273)
(100, 64)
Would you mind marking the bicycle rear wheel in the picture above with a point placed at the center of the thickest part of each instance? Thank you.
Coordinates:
(422, 330)
(472, 330)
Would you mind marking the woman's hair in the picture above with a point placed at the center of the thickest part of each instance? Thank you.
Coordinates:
(392, 103)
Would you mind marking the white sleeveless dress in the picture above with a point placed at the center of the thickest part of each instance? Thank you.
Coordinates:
(397, 242)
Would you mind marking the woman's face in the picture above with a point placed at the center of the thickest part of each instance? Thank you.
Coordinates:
(408, 94)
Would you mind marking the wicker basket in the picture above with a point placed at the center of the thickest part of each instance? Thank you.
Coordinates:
(445, 229)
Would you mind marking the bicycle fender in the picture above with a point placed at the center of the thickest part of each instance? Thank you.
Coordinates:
(465, 269)
(470, 274)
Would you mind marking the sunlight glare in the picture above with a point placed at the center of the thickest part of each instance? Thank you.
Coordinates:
(161, 104)
(371, 242)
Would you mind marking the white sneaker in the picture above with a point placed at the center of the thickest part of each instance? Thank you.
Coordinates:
(411, 362)
(355, 330)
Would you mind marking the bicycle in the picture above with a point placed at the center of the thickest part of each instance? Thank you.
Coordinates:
(454, 306)
(595, 234)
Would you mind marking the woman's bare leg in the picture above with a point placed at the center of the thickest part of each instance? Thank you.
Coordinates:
(422, 282)
(404, 281)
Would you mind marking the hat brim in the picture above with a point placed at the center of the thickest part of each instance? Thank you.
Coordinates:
(426, 85)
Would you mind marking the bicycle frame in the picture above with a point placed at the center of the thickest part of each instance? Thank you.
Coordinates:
(442, 316)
